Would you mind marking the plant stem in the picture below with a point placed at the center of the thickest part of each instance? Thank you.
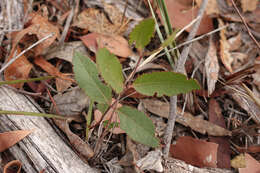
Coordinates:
(180, 68)
(88, 118)
(4, 112)
(25, 80)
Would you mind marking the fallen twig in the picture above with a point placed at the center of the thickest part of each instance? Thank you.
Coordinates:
(180, 68)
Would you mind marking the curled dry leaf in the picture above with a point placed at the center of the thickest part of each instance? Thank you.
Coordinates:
(82, 147)
(11, 165)
(41, 27)
(225, 56)
(211, 66)
(201, 154)
(9, 139)
(19, 69)
(96, 21)
(63, 83)
(181, 15)
(110, 115)
(116, 44)
(199, 125)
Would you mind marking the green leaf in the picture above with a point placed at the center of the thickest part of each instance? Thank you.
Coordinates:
(137, 125)
(142, 33)
(86, 75)
(164, 83)
(110, 69)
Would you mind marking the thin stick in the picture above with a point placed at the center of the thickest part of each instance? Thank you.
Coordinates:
(244, 22)
(193, 40)
(180, 68)
(24, 51)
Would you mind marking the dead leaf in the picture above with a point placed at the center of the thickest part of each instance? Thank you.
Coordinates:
(96, 21)
(181, 15)
(90, 41)
(82, 147)
(9, 167)
(41, 27)
(216, 117)
(9, 139)
(235, 42)
(212, 6)
(116, 44)
(225, 56)
(71, 102)
(152, 161)
(19, 69)
(98, 115)
(50, 69)
(249, 5)
(252, 165)
(199, 125)
(66, 51)
(211, 66)
(195, 152)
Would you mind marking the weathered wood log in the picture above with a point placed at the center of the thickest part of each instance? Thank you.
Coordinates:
(44, 148)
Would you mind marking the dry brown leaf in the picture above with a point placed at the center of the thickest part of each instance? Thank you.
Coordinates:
(90, 41)
(115, 118)
(216, 117)
(211, 66)
(181, 16)
(9, 167)
(50, 69)
(19, 69)
(252, 165)
(212, 6)
(225, 56)
(199, 125)
(9, 139)
(95, 21)
(116, 44)
(195, 152)
(41, 27)
(249, 5)
(66, 51)
(235, 42)
(82, 147)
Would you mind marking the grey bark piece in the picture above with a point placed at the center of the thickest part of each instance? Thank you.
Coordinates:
(43, 149)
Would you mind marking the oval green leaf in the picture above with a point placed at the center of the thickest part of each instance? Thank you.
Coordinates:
(142, 33)
(86, 75)
(110, 69)
(164, 83)
(137, 125)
